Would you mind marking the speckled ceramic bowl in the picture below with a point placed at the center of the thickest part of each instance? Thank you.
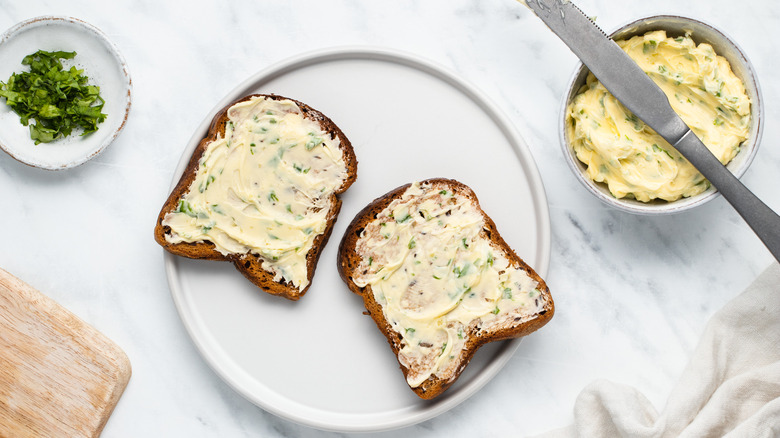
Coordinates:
(740, 65)
(101, 62)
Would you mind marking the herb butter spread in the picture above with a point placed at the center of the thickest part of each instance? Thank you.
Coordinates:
(438, 277)
(634, 161)
(264, 187)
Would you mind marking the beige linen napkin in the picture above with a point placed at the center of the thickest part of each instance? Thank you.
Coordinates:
(731, 386)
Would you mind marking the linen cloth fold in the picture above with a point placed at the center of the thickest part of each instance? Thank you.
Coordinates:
(730, 387)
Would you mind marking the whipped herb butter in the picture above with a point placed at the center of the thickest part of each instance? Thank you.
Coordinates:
(437, 276)
(627, 155)
(263, 188)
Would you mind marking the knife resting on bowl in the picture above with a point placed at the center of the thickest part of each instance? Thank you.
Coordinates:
(640, 95)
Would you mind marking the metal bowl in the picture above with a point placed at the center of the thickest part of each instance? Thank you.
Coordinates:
(724, 46)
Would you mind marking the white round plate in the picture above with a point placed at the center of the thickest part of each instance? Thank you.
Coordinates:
(320, 361)
(102, 64)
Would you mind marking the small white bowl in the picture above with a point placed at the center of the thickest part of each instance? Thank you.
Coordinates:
(102, 64)
(701, 33)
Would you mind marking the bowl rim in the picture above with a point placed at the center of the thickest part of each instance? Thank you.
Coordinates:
(682, 204)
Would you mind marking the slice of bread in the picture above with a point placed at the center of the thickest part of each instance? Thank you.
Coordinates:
(273, 216)
(438, 280)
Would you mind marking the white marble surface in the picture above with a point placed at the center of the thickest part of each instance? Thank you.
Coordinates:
(632, 293)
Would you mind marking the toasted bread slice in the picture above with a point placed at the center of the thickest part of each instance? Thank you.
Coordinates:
(438, 280)
(261, 190)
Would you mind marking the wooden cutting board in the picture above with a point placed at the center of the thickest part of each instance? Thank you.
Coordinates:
(59, 377)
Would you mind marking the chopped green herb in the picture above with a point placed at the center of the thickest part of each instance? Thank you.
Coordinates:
(313, 142)
(633, 119)
(58, 100)
(272, 196)
(460, 272)
(410, 331)
(300, 168)
(657, 148)
(404, 219)
(507, 294)
(186, 208)
(205, 185)
(412, 243)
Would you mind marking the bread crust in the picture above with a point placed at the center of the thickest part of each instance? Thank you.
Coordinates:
(250, 265)
(349, 261)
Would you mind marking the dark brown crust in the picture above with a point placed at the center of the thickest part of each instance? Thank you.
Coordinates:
(348, 262)
(250, 265)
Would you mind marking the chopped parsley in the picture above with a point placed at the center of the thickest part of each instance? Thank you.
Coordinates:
(507, 294)
(186, 208)
(404, 219)
(57, 100)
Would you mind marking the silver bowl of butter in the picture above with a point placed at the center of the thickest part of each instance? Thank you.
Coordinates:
(709, 81)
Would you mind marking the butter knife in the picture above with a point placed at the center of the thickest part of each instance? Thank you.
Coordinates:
(637, 92)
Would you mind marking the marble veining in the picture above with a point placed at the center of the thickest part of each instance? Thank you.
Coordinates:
(632, 293)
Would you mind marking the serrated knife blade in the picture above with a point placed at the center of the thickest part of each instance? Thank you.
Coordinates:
(639, 94)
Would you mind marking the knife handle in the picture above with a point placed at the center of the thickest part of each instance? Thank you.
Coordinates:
(764, 222)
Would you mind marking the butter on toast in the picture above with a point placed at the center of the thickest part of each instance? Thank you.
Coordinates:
(438, 280)
(261, 190)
